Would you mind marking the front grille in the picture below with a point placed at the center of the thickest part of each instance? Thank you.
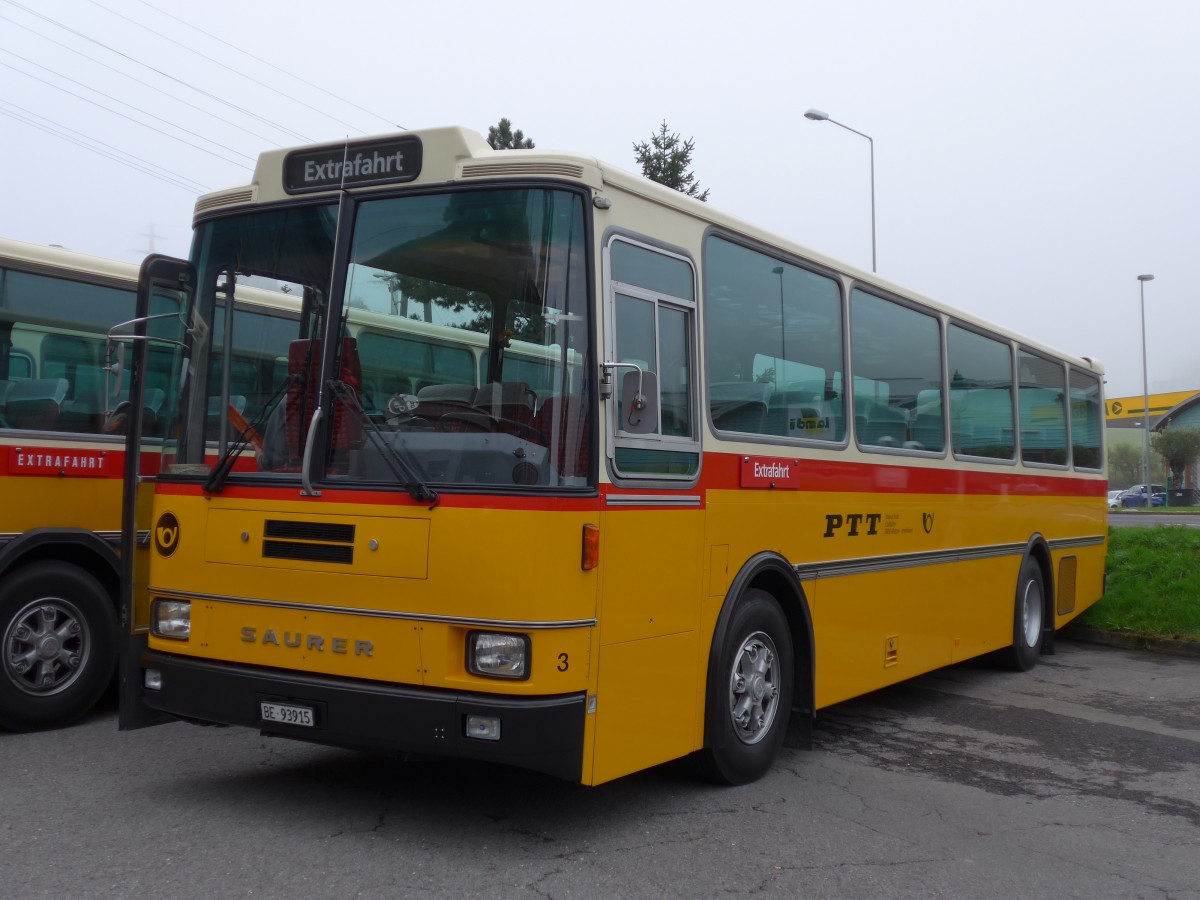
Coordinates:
(331, 553)
(324, 542)
(309, 531)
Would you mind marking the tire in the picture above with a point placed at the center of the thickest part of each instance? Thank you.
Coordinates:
(750, 700)
(1029, 613)
(58, 640)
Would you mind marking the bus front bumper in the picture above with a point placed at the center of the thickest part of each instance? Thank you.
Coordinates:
(544, 734)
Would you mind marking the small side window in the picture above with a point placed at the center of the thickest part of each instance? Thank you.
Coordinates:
(652, 352)
(1087, 421)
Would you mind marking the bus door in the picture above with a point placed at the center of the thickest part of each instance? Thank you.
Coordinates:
(149, 352)
(653, 526)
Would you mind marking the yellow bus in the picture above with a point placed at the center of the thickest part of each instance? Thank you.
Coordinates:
(60, 464)
(701, 483)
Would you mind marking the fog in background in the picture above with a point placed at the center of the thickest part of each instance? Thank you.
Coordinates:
(1031, 158)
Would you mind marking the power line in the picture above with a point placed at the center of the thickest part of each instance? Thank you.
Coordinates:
(146, 84)
(218, 63)
(116, 100)
(264, 62)
(165, 134)
(91, 144)
(167, 75)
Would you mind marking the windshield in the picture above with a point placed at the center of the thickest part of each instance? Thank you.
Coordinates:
(462, 345)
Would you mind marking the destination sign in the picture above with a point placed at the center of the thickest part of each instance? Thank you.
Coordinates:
(393, 161)
(770, 473)
(56, 461)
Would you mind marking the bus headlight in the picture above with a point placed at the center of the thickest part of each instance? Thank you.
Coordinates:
(498, 655)
(171, 619)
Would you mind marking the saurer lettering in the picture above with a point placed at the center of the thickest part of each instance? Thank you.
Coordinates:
(298, 640)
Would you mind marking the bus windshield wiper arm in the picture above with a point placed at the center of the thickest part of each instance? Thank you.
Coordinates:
(401, 468)
(216, 478)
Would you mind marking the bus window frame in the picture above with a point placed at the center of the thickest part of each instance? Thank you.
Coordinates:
(1103, 440)
(1064, 368)
(613, 439)
(1012, 393)
(843, 285)
(939, 319)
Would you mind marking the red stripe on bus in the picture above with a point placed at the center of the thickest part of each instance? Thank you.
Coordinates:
(721, 472)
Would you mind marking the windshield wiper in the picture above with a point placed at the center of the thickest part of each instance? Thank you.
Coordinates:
(403, 471)
(216, 478)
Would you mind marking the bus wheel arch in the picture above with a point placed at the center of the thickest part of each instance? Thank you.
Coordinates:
(763, 634)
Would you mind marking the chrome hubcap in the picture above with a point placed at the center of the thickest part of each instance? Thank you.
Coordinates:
(1031, 613)
(45, 646)
(754, 688)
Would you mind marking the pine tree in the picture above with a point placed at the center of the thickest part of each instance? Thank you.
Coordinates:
(502, 137)
(667, 159)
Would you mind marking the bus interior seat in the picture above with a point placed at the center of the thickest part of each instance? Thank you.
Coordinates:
(435, 400)
(84, 412)
(749, 416)
(509, 402)
(739, 405)
(35, 403)
(883, 426)
(503, 397)
(786, 406)
(929, 431)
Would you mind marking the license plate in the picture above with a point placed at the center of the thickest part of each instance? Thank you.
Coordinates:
(286, 714)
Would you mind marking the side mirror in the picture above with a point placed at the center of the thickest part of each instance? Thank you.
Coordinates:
(639, 403)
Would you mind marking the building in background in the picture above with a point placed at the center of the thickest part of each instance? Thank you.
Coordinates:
(1125, 419)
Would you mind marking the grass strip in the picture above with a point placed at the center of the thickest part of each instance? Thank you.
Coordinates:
(1153, 583)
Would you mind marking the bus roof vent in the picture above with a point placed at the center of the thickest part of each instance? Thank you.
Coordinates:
(527, 169)
(234, 197)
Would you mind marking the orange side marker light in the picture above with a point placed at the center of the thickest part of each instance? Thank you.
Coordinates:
(591, 547)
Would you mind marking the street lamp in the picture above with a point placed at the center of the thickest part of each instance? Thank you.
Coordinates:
(1142, 279)
(817, 116)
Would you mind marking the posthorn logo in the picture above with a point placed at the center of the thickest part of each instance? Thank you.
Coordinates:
(166, 534)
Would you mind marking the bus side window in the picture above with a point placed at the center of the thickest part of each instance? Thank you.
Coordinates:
(652, 296)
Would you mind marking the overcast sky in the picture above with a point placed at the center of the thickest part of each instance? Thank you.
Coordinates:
(1032, 157)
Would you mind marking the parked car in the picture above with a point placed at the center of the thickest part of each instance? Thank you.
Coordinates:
(1114, 499)
(1136, 496)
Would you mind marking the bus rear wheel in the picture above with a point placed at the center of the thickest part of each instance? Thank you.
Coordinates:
(1029, 613)
(58, 636)
(751, 697)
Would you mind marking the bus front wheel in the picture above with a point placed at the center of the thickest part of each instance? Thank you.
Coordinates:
(59, 634)
(1029, 612)
(751, 696)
